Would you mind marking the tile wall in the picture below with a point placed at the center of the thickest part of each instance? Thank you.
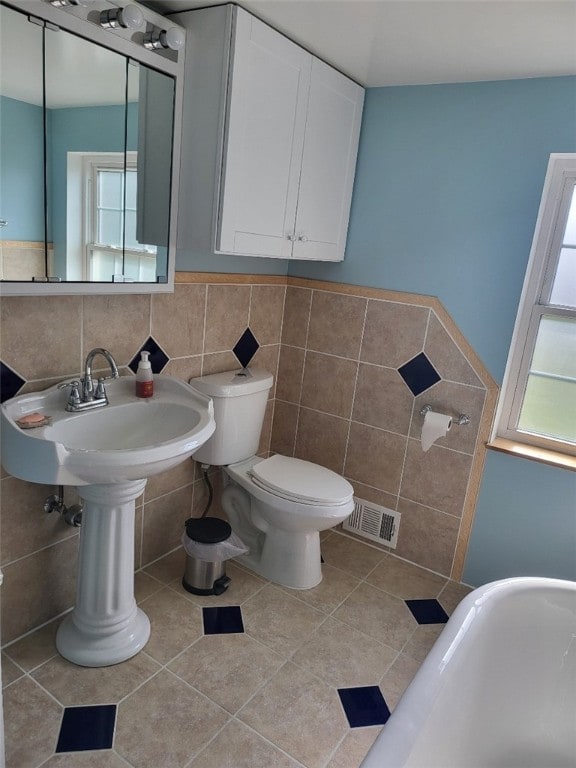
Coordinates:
(339, 400)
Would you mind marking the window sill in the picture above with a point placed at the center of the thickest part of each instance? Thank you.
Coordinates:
(542, 455)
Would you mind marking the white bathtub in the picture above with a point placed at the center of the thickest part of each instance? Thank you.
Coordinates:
(497, 690)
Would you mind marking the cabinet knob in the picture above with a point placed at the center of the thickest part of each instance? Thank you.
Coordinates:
(290, 237)
(302, 238)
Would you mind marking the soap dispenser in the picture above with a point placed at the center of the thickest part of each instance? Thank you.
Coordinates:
(144, 379)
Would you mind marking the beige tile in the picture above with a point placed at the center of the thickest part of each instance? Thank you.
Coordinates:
(243, 585)
(266, 358)
(184, 368)
(227, 668)
(336, 324)
(420, 643)
(164, 520)
(334, 588)
(178, 320)
(354, 748)
(218, 362)
(398, 678)
(36, 648)
(10, 672)
(352, 556)
(174, 624)
(394, 332)
(452, 594)
(445, 355)
(405, 580)
(158, 485)
(374, 495)
(375, 457)
(100, 759)
(290, 371)
(284, 425)
(298, 713)
(227, 313)
(426, 536)
(41, 337)
(236, 746)
(266, 309)
(328, 384)
(296, 316)
(75, 686)
(452, 399)
(31, 724)
(379, 615)
(437, 478)
(167, 707)
(382, 399)
(342, 656)
(169, 567)
(21, 503)
(52, 571)
(106, 319)
(321, 438)
(144, 586)
(279, 621)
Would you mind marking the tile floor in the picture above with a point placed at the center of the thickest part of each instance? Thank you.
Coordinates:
(259, 677)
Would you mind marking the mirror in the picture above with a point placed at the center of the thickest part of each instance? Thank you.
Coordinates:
(86, 148)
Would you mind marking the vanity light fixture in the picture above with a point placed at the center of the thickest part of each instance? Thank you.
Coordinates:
(129, 17)
(157, 39)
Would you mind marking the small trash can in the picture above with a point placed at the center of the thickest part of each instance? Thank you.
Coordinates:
(204, 576)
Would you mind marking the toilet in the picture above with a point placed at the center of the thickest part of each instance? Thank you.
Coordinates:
(279, 505)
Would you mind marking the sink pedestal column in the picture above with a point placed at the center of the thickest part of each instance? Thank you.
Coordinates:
(105, 627)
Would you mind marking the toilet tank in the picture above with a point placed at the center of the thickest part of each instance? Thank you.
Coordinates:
(239, 399)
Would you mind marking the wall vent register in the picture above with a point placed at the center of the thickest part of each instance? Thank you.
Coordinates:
(374, 522)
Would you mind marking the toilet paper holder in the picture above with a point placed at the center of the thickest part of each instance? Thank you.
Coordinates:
(461, 420)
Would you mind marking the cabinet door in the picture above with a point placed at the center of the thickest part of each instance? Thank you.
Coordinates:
(265, 135)
(328, 164)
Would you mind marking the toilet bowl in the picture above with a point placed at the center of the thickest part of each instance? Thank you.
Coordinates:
(280, 518)
(278, 505)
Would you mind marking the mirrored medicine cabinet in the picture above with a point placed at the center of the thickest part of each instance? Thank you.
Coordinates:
(89, 152)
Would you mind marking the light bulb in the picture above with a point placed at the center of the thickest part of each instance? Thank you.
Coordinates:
(157, 39)
(129, 17)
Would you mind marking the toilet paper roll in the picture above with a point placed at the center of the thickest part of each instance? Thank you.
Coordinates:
(435, 425)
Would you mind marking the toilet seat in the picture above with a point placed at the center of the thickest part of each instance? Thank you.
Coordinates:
(301, 481)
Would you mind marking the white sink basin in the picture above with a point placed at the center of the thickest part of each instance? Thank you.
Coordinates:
(129, 439)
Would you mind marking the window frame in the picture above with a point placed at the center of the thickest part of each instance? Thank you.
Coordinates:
(536, 292)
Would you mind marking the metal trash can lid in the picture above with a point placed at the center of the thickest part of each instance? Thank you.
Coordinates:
(207, 530)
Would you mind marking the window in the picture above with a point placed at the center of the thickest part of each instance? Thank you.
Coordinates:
(102, 231)
(538, 400)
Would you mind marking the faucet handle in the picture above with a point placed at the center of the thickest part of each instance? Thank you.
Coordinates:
(74, 396)
(100, 388)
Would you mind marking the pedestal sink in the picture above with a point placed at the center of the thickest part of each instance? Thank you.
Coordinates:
(108, 454)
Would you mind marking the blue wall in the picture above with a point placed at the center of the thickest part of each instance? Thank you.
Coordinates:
(447, 189)
(22, 164)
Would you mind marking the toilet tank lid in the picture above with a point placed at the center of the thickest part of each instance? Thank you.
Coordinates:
(242, 381)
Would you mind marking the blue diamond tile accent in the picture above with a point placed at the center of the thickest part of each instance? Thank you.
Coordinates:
(246, 347)
(419, 374)
(86, 728)
(223, 621)
(158, 358)
(364, 706)
(427, 611)
(10, 382)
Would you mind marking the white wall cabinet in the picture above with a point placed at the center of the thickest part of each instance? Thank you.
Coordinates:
(269, 142)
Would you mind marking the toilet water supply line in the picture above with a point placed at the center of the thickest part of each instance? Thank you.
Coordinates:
(205, 468)
(55, 503)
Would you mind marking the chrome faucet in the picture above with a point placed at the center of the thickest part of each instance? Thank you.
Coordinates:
(88, 393)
